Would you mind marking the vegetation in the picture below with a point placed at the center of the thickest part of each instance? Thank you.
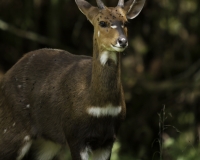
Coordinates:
(161, 67)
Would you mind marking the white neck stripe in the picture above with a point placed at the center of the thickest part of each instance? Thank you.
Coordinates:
(104, 111)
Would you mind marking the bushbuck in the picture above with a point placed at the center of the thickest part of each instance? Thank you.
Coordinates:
(51, 100)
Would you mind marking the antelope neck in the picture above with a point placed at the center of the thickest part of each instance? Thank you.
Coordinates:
(106, 78)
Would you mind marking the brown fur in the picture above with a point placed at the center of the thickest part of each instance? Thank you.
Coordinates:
(46, 94)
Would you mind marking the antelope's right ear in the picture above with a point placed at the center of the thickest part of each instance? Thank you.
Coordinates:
(133, 8)
(87, 9)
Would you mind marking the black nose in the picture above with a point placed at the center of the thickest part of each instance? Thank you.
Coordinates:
(122, 42)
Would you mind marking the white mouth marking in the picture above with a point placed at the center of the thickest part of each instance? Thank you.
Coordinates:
(98, 33)
(104, 111)
(118, 48)
(118, 45)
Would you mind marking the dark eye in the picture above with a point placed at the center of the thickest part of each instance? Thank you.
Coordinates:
(103, 24)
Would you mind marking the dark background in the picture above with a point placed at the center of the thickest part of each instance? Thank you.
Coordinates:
(161, 67)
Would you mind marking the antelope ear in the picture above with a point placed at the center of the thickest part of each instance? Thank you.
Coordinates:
(87, 9)
(133, 8)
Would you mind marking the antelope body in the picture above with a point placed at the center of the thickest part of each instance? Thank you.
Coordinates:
(51, 100)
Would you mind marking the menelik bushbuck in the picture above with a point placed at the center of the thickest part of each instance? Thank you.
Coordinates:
(52, 100)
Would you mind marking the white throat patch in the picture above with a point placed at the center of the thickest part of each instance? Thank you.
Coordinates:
(108, 55)
(109, 110)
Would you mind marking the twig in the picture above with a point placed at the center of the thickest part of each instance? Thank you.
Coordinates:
(27, 34)
(162, 119)
(162, 128)
(168, 85)
(189, 72)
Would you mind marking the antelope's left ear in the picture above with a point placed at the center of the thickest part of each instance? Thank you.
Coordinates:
(133, 8)
(87, 9)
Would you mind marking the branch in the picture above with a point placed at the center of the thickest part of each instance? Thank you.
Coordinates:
(27, 34)
(168, 85)
(188, 73)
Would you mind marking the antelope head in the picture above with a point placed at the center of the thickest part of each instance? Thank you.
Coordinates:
(110, 23)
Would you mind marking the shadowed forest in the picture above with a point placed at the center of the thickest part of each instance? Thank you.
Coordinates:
(160, 68)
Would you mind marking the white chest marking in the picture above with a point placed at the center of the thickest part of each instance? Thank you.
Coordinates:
(104, 111)
(108, 55)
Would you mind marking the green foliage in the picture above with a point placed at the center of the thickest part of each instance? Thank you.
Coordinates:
(182, 148)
